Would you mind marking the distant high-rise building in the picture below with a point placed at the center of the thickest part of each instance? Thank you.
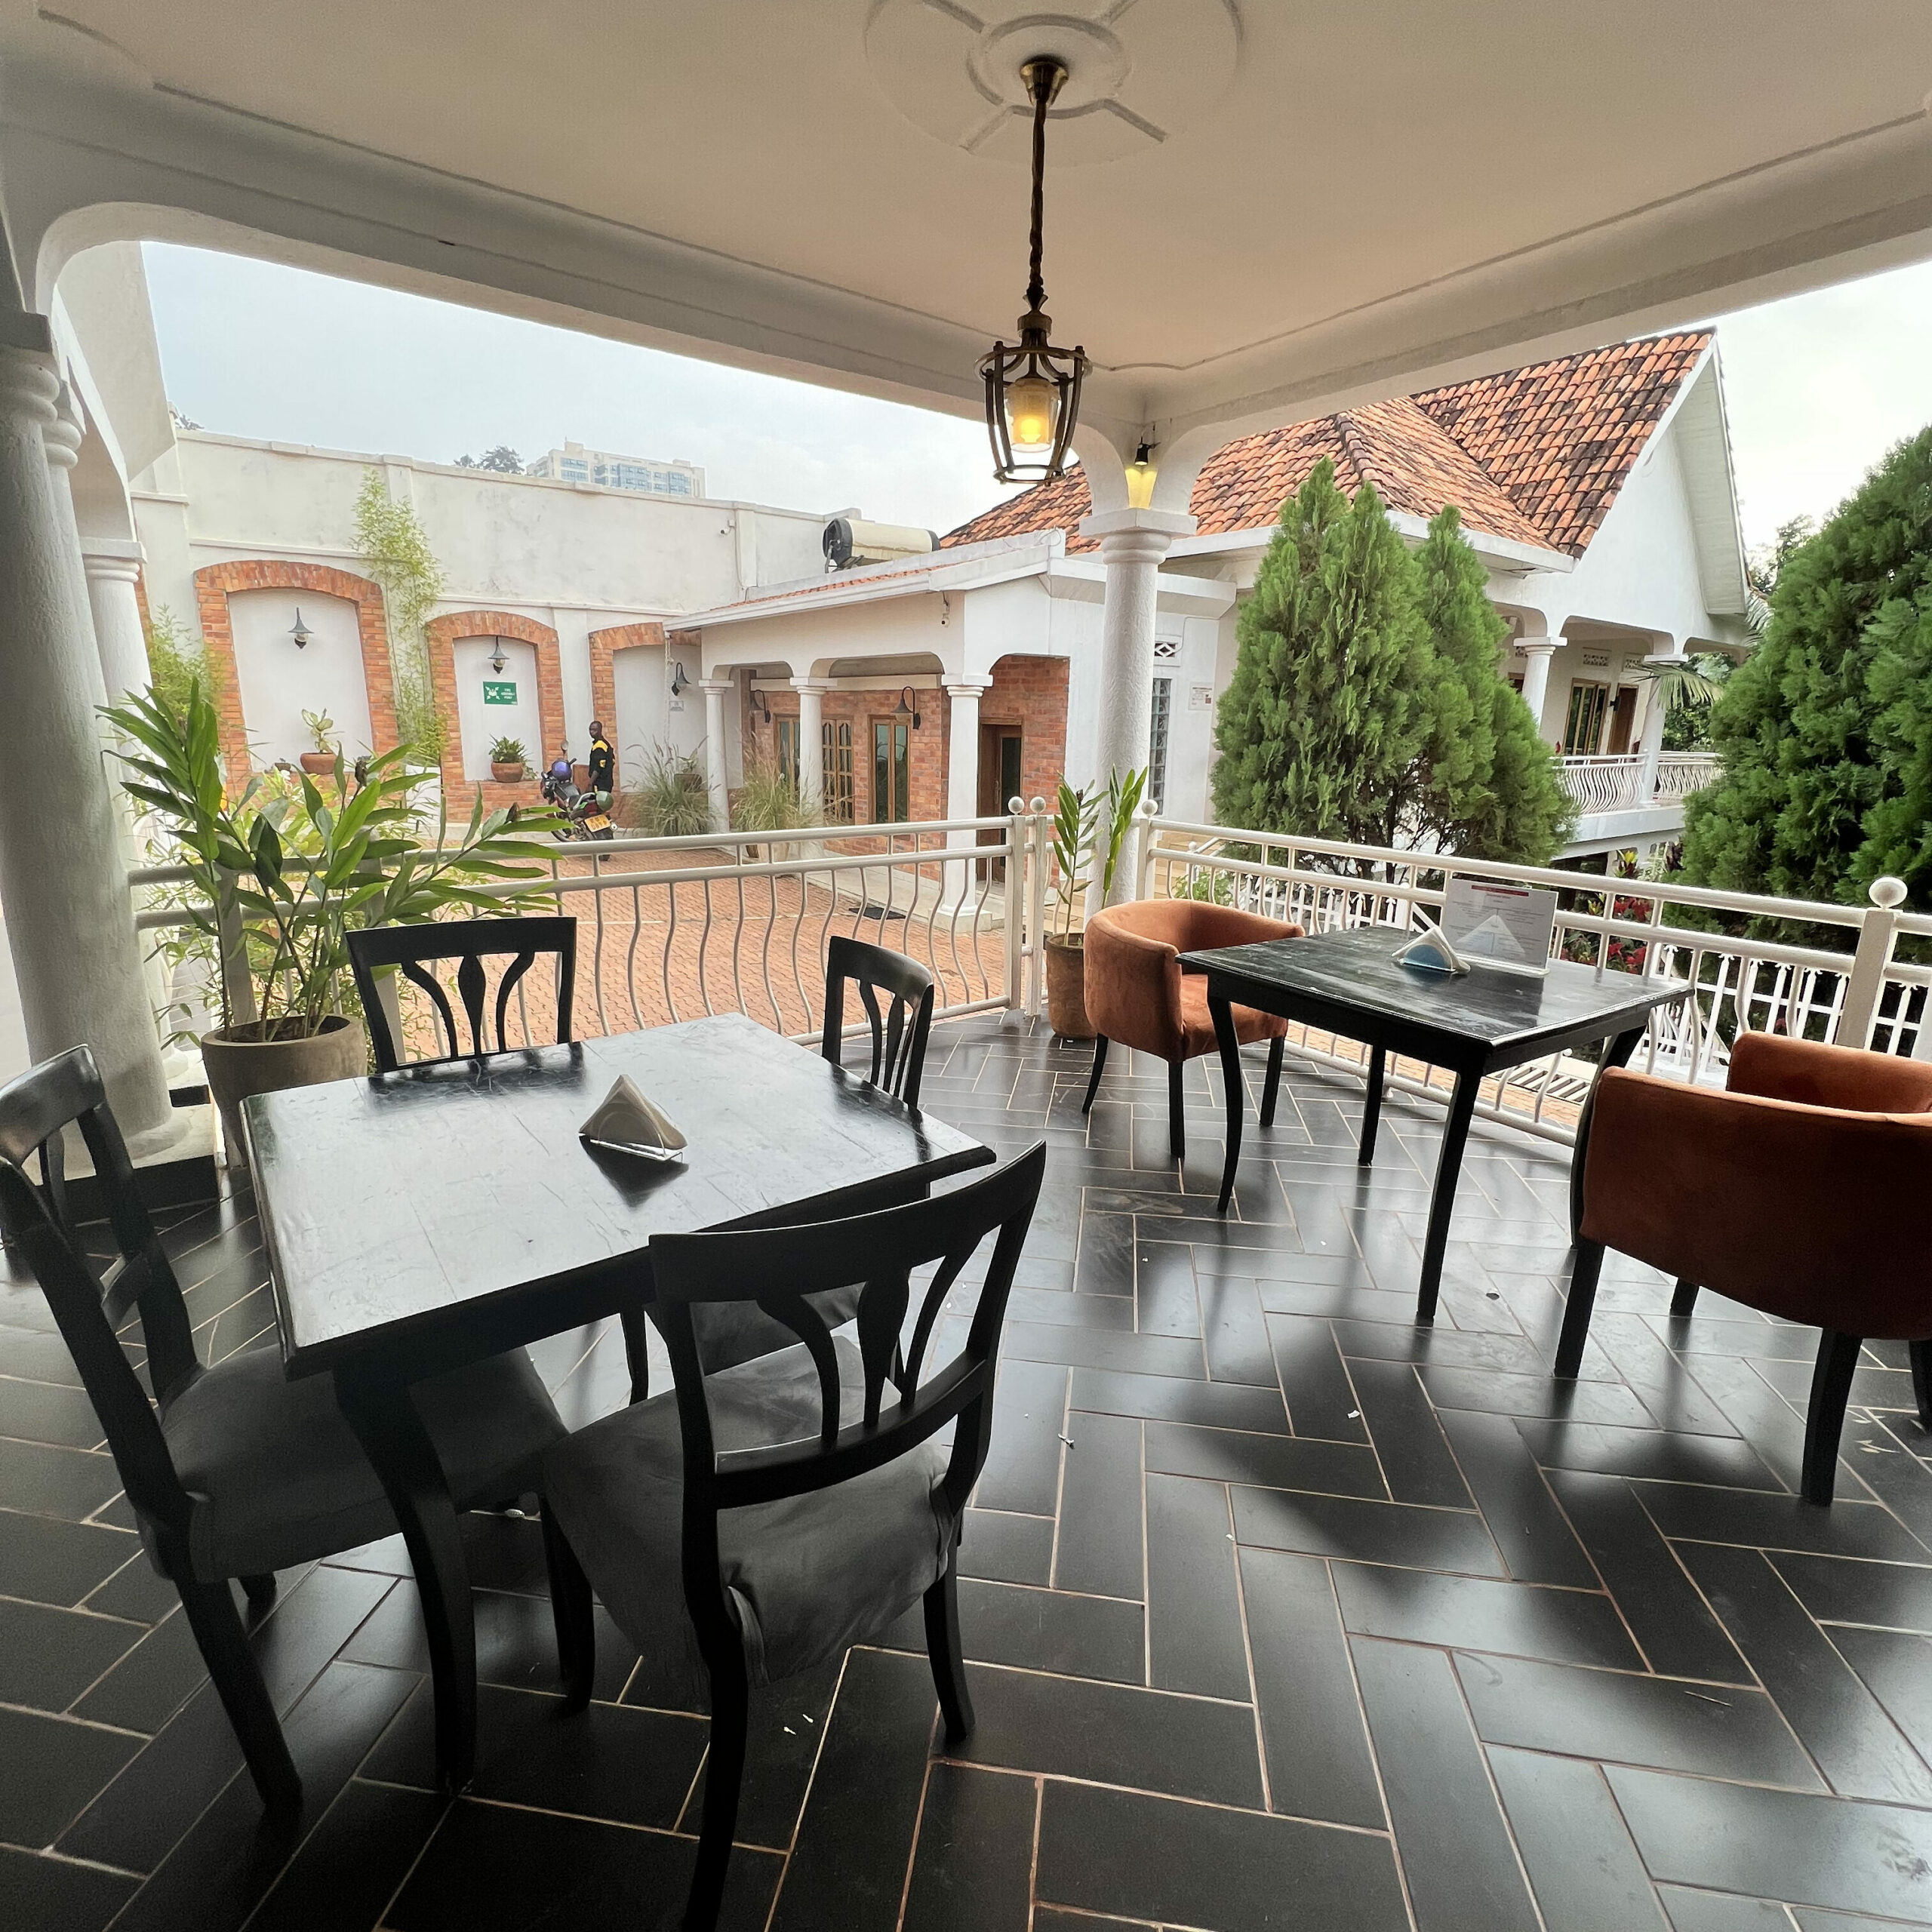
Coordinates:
(573, 463)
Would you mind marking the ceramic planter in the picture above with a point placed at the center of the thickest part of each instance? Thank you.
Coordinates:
(237, 1065)
(318, 764)
(1066, 986)
(505, 774)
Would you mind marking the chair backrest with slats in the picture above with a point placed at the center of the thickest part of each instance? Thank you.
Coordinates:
(411, 949)
(35, 1109)
(778, 1269)
(899, 1034)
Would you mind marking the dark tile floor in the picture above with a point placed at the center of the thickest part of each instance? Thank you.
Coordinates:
(1284, 1613)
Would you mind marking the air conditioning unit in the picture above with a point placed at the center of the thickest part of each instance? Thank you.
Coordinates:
(849, 542)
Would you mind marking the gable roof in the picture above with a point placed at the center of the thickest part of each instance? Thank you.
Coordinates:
(1536, 455)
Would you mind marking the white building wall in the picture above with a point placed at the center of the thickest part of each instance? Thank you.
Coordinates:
(279, 682)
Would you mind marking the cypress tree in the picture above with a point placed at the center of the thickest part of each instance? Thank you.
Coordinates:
(1490, 788)
(1321, 723)
(1366, 703)
(1825, 731)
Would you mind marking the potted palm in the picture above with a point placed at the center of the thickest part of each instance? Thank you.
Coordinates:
(508, 760)
(320, 762)
(1080, 819)
(280, 876)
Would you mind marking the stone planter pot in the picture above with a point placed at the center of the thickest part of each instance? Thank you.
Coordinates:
(318, 764)
(238, 1065)
(1066, 986)
(506, 774)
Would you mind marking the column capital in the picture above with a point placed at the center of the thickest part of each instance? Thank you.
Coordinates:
(108, 559)
(64, 435)
(718, 686)
(821, 685)
(1166, 525)
(972, 688)
(28, 385)
(1538, 647)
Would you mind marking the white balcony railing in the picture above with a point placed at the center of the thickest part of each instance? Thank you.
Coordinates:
(1798, 967)
(1618, 784)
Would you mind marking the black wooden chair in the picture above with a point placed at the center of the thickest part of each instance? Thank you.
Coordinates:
(764, 1519)
(899, 1035)
(411, 948)
(234, 1471)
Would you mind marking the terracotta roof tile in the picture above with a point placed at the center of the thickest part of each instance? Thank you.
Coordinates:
(1536, 455)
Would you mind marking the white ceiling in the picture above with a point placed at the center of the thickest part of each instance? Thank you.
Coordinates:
(1336, 199)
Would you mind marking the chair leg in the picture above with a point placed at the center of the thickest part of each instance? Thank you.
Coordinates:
(1583, 1273)
(1824, 1420)
(212, 1616)
(1683, 1299)
(259, 1590)
(1099, 1061)
(724, 1773)
(1271, 1089)
(955, 1701)
(637, 1332)
(571, 1612)
(1921, 1381)
(1176, 1126)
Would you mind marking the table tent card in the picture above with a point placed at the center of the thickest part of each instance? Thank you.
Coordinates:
(627, 1123)
(1493, 923)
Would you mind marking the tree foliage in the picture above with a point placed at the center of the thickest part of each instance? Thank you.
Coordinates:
(1826, 732)
(1367, 703)
(394, 550)
(501, 458)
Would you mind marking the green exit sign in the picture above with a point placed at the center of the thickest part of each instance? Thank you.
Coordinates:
(502, 693)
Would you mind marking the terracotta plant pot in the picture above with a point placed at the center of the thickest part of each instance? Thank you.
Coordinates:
(318, 764)
(1066, 986)
(239, 1065)
(506, 774)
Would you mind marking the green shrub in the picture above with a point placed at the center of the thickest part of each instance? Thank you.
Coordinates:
(671, 801)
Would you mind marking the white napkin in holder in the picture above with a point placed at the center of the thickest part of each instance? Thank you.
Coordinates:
(626, 1123)
(1431, 951)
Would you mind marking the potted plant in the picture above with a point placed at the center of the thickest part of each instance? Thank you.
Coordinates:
(507, 761)
(281, 875)
(320, 762)
(1079, 818)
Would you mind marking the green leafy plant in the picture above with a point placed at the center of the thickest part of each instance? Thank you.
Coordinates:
(508, 750)
(672, 800)
(1124, 792)
(769, 800)
(1076, 820)
(173, 662)
(320, 727)
(284, 872)
(394, 550)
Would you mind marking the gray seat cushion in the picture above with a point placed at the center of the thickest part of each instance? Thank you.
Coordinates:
(805, 1577)
(279, 1477)
(729, 1332)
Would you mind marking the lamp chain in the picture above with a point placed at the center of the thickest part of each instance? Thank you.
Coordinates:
(1042, 77)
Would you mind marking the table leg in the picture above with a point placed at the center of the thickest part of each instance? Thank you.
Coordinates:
(1442, 1201)
(1222, 1010)
(1371, 1112)
(384, 1418)
(1616, 1053)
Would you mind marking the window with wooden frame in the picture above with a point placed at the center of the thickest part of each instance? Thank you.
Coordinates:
(787, 731)
(892, 781)
(835, 736)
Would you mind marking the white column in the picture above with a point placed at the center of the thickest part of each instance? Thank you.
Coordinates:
(1537, 651)
(1132, 541)
(113, 566)
(715, 691)
(962, 779)
(811, 739)
(62, 439)
(1651, 744)
(70, 922)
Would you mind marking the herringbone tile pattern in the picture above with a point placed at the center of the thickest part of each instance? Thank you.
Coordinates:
(1283, 1612)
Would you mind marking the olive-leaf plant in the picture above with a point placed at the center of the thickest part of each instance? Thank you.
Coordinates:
(288, 868)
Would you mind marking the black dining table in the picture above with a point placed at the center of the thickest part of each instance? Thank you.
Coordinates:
(417, 1220)
(1483, 1022)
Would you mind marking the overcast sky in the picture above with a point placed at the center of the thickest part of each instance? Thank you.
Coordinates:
(1819, 387)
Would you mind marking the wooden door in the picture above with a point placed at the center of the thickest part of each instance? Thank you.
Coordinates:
(1582, 726)
(999, 784)
(1623, 716)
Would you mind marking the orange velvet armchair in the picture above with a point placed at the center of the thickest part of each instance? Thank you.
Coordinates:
(1795, 1191)
(1136, 993)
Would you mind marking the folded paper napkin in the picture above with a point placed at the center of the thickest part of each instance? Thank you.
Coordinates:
(626, 1121)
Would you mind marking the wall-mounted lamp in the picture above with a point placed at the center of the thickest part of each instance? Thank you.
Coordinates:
(1140, 479)
(496, 657)
(905, 709)
(299, 632)
(762, 706)
(679, 684)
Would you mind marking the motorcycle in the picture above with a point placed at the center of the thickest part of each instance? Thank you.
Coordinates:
(581, 814)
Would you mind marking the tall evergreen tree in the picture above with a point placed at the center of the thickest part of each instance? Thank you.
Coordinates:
(1825, 731)
(1323, 720)
(1490, 787)
(1367, 703)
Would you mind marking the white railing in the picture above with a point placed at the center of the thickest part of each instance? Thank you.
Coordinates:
(1764, 964)
(1617, 784)
(672, 928)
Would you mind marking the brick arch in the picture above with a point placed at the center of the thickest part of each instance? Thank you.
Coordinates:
(442, 634)
(604, 645)
(213, 584)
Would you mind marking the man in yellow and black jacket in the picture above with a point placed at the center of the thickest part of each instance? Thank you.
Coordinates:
(603, 762)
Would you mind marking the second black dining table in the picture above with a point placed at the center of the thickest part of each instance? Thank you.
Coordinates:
(417, 1220)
